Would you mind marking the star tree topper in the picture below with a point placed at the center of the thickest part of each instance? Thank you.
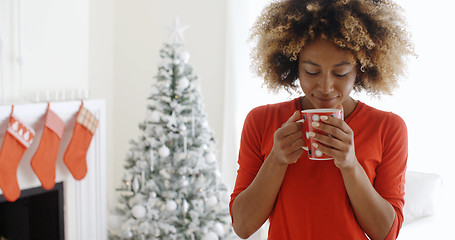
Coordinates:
(177, 30)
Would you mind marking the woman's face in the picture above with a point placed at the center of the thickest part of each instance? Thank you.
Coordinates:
(327, 74)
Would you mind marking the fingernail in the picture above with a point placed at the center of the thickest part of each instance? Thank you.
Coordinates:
(315, 124)
(311, 134)
(315, 145)
(324, 118)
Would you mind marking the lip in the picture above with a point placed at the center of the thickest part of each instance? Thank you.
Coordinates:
(325, 101)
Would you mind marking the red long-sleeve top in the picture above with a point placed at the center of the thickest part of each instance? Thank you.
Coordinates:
(312, 202)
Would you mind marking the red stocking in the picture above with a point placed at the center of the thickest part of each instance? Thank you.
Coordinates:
(75, 155)
(18, 138)
(43, 162)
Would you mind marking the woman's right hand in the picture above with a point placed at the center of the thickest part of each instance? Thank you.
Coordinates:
(288, 141)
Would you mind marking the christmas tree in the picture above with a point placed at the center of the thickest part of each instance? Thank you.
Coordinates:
(172, 186)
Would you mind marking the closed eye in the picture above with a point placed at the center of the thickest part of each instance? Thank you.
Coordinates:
(340, 75)
(312, 73)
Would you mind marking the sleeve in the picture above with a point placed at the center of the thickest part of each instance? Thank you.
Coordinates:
(390, 173)
(250, 155)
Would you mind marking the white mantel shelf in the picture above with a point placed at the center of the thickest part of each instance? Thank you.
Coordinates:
(85, 200)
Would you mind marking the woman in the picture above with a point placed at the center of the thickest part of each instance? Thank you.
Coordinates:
(327, 49)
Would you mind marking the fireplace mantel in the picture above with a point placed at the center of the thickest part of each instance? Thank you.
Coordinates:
(85, 200)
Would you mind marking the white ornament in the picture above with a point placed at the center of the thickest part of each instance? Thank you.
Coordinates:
(219, 229)
(130, 154)
(182, 128)
(184, 182)
(171, 205)
(183, 83)
(138, 211)
(182, 156)
(127, 234)
(164, 173)
(151, 160)
(211, 201)
(142, 164)
(193, 125)
(154, 116)
(164, 151)
(136, 184)
(185, 56)
(143, 178)
(185, 206)
(115, 221)
(167, 184)
(210, 157)
(210, 236)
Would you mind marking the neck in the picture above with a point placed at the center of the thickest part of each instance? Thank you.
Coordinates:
(349, 106)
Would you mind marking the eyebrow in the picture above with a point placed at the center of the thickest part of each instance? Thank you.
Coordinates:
(336, 65)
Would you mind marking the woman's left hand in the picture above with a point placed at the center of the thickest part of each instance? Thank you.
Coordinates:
(340, 143)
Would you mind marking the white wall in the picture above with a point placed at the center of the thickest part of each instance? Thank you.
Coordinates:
(139, 34)
(101, 75)
(45, 48)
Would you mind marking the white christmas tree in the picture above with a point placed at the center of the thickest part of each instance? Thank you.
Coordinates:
(172, 186)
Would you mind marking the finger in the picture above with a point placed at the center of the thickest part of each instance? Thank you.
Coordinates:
(336, 122)
(290, 126)
(290, 139)
(288, 129)
(330, 130)
(327, 150)
(295, 116)
(296, 155)
(330, 141)
(295, 150)
(333, 132)
(297, 144)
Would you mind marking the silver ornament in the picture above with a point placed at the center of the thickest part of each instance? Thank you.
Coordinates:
(136, 184)
(210, 236)
(171, 205)
(127, 234)
(164, 151)
(210, 157)
(183, 83)
(211, 201)
(185, 56)
(138, 211)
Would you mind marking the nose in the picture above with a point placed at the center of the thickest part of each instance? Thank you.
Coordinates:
(326, 83)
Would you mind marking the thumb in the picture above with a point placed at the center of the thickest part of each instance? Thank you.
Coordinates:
(294, 117)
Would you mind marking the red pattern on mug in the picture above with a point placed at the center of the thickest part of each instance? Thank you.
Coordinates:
(314, 115)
